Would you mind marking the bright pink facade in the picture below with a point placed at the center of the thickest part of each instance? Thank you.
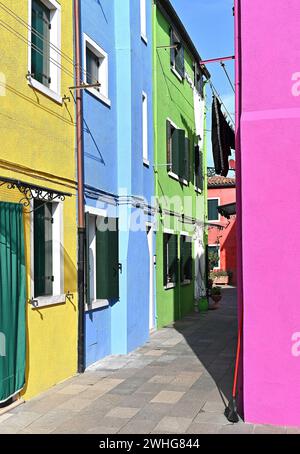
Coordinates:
(226, 238)
(269, 107)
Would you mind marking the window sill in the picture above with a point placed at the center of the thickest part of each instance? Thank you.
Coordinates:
(144, 38)
(177, 178)
(45, 301)
(99, 96)
(96, 304)
(176, 73)
(36, 85)
(186, 282)
(146, 162)
(169, 286)
(200, 191)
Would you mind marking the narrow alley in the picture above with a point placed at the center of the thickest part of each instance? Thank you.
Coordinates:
(179, 382)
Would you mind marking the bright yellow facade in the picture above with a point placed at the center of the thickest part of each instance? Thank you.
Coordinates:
(38, 147)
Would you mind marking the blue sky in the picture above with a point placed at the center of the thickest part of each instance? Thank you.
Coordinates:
(210, 24)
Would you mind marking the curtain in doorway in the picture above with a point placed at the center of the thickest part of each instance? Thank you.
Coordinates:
(12, 300)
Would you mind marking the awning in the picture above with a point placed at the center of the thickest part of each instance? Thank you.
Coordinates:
(227, 210)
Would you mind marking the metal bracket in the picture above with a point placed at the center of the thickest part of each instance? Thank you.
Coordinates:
(34, 302)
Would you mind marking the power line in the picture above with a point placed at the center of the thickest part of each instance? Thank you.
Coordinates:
(227, 75)
(40, 36)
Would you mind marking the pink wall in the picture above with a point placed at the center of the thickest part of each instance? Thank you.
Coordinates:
(270, 176)
(227, 237)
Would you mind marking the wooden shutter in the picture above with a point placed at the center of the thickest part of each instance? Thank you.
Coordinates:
(43, 265)
(165, 258)
(187, 159)
(169, 146)
(40, 37)
(107, 260)
(178, 152)
(198, 167)
(180, 60)
(173, 259)
(172, 50)
(185, 258)
(87, 259)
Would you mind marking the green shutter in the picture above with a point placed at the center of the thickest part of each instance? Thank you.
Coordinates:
(40, 37)
(43, 279)
(187, 160)
(173, 258)
(185, 258)
(178, 151)
(198, 168)
(168, 147)
(172, 50)
(179, 60)
(87, 259)
(107, 260)
(165, 258)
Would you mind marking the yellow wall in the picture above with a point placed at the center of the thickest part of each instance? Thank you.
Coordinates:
(37, 146)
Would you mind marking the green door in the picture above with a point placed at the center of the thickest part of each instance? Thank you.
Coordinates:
(12, 300)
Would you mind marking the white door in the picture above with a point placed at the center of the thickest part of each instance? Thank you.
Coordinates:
(151, 281)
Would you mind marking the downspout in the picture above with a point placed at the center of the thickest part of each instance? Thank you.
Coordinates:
(80, 196)
(235, 407)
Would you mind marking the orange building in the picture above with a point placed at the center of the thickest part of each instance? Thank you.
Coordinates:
(222, 233)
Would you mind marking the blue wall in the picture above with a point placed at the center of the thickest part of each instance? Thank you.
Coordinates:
(114, 164)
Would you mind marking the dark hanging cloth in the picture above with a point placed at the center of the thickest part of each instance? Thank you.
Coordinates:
(223, 139)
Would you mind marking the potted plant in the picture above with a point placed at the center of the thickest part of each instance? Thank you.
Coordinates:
(216, 295)
(220, 277)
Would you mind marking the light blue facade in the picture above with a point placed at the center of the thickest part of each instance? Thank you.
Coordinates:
(117, 180)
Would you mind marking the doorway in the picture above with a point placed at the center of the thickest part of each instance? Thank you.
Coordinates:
(152, 324)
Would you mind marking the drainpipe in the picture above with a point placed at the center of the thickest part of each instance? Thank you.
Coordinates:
(80, 197)
(234, 408)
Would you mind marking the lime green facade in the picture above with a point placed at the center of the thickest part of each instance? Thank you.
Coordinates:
(181, 204)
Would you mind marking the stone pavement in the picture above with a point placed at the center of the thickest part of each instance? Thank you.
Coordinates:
(179, 382)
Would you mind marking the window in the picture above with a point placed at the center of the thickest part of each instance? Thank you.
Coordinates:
(214, 257)
(178, 152)
(186, 261)
(145, 128)
(170, 259)
(47, 260)
(198, 168)
(198, 79)
(213, 214)
(143, 12)
(102, 259)
(45, 42)
(177, 55)
(96, 69)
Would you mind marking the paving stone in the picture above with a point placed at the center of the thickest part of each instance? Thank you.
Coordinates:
(75, 404)
(266, 429)
(157, 352)
(214, 407)
(138, 427)
(212, 418)
(239, 428)
(161, 379)
(123, 412)
(209, 428)
(73, 389)
(167, 397)
(173, 425)
(5, 416)
(50, 421)
(293, 430)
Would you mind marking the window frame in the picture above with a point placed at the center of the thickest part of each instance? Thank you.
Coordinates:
(58, 293)
(219, 216)
(103, 74)
(54, 90)
(219, 255)
(143, 20)
(175, 35)
(171, 173)
(145, 129)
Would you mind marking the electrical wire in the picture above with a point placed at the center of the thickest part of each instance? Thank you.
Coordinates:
(215, 92)
(227, 75)
(42, 38)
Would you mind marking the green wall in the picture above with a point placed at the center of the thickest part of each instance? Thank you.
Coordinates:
(173, 99)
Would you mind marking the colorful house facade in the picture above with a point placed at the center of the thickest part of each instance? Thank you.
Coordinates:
(268, 166)
(222, 233)
(38, 255)
(180, 157)
(116, 52)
